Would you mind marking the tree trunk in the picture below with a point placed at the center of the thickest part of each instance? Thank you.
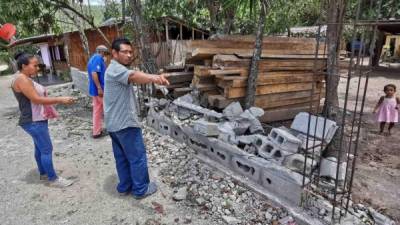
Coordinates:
(333, 36)
(146, 59)
(380, 42)
(123, 11)
(252, 81)
(229, 19)
(213, 9)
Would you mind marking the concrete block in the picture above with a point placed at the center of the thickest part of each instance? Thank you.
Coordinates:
(80, 79)
(283, 182)
(232, 111)
(206, 128)
(152, 119)
(178, 134)
(285, 140)
(279, 155)
(313, 144)
(197, 142)
(317, 124)
(248, 167)
(164, 128)
(296, 162)
(240, 127)
(254, 124)
(267, 149)
(225, 152)
(256, 111)
(226, 133)
(329, 168)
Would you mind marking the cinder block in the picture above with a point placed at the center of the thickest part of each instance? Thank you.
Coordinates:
(164, 128)
(247, 167)
(197, 142)
(224, 152)
(178, 134)
(329, 168)
(296, 163)
(152, 119)
(279, 155)
(284, 140)
(206, 128)
(317, 125)
(267, 149)
(283, 182)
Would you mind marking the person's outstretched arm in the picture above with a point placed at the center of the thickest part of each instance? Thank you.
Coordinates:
(140, 77)
(27, 88)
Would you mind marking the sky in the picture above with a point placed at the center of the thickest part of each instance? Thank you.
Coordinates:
(96, 2)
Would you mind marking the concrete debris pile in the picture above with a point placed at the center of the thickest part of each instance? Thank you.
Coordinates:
(217, 198)
(236, 140)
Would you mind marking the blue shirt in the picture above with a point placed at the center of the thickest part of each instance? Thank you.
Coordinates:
(96, 64)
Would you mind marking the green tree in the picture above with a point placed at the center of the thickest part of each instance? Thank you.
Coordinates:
(31, 17)
(112, 9)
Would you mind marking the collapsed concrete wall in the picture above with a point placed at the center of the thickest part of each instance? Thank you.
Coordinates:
(236, 141)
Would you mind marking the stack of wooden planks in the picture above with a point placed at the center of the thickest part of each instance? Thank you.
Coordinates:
(180, 78)
(290, 74)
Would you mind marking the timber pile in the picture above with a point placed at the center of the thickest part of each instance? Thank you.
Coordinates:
(180, 78)
(288, 73)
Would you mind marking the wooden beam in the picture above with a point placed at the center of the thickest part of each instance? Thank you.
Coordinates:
(206, 53)
(178, 77)
(271, 79)
(286, 113)
(270, 89)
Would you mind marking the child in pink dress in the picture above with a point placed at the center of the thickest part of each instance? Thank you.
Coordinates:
(387, 108)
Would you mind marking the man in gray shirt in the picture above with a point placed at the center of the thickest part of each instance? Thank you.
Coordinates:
(122, 122)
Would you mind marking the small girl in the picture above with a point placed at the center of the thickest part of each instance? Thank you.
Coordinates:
(387, 108)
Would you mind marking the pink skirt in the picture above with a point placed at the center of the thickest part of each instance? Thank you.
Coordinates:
(387, 113)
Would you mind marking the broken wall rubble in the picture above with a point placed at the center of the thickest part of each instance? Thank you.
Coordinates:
(236, 140)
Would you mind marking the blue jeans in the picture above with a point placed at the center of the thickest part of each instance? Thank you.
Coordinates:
(131, 160)
(39, 132)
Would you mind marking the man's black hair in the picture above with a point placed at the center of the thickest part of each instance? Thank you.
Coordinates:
(116, 44)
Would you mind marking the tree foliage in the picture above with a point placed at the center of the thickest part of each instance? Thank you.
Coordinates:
(31, 17)
(112, 9)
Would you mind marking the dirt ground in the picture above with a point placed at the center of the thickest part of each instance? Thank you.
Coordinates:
(377, 178)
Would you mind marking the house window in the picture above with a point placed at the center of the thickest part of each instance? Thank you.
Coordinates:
(57, 53)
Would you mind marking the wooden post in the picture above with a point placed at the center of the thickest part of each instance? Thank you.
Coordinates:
(192, 34)
(202, 35)
(180, 30)
(166, 31)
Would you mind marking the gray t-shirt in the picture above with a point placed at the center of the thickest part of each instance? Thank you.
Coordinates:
(119, 99)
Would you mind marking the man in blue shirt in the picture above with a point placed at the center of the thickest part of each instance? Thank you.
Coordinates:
(96, 68)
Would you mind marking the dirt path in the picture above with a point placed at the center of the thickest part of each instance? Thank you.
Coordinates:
(377, 178)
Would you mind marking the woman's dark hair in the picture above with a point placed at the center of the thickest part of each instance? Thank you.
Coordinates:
(116, 44)
(23, 59)
(387, 86)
